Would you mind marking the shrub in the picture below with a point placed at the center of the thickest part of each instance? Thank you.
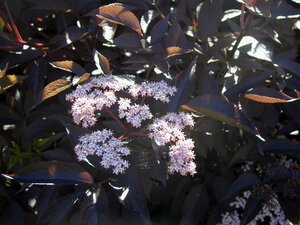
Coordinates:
(149, 112)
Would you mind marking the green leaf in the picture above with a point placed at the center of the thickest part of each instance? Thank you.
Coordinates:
(217, 108)
(53, 172)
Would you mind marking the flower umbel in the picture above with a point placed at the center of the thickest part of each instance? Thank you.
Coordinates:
(104, 144)
(135, 114)
(169, 130)
(158, 90)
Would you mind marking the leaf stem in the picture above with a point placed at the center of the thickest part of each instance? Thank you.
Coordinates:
(118, 121)
(242, 34)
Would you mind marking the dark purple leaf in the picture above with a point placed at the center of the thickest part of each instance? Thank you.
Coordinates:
(252, 208)
(242, 183)
(58, 210)
(209, 15)
(195, 206)
(128, 41)
(57, 154)
(219, 109)
(159, 30)
(53, 172)
(94, 207)
(184, 87)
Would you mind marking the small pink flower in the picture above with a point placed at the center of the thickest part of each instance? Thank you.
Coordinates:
(133, 113)
(103, 144)
(169, 130)
(158, 90)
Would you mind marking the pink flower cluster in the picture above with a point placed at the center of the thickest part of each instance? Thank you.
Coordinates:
(91, 97)
(169, 130)
(271, 213)
(103, 144)
(158, 90)
(100, 92)
(135, 114)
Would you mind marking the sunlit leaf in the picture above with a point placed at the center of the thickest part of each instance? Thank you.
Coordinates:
(268, 95)
(118, 14)
(69, 66)
(175, 50)
(55, 88)
(9, 81)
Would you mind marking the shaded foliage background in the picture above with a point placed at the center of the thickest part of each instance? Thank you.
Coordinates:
(238, 72)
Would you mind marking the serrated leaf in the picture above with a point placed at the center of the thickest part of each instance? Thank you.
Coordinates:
(118, 14)
(9, 81)
(268, 96)
(53, 172)
(217, 108)
(69, 66)
(55, 88)
(242, 183)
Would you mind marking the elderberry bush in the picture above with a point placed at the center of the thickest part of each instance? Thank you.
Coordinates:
(149, 112)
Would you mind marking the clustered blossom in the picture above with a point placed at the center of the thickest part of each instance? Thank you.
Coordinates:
(288, 163)
(93, 96)
(104, 144)
(169, 130)
(157, 90)
(135, 114)
(271, 212)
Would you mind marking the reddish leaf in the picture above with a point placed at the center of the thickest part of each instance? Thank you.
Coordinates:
(55, 88)
(175, 50)
(9, 81)
(118, 14)
(268, 95)
(69, 66)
